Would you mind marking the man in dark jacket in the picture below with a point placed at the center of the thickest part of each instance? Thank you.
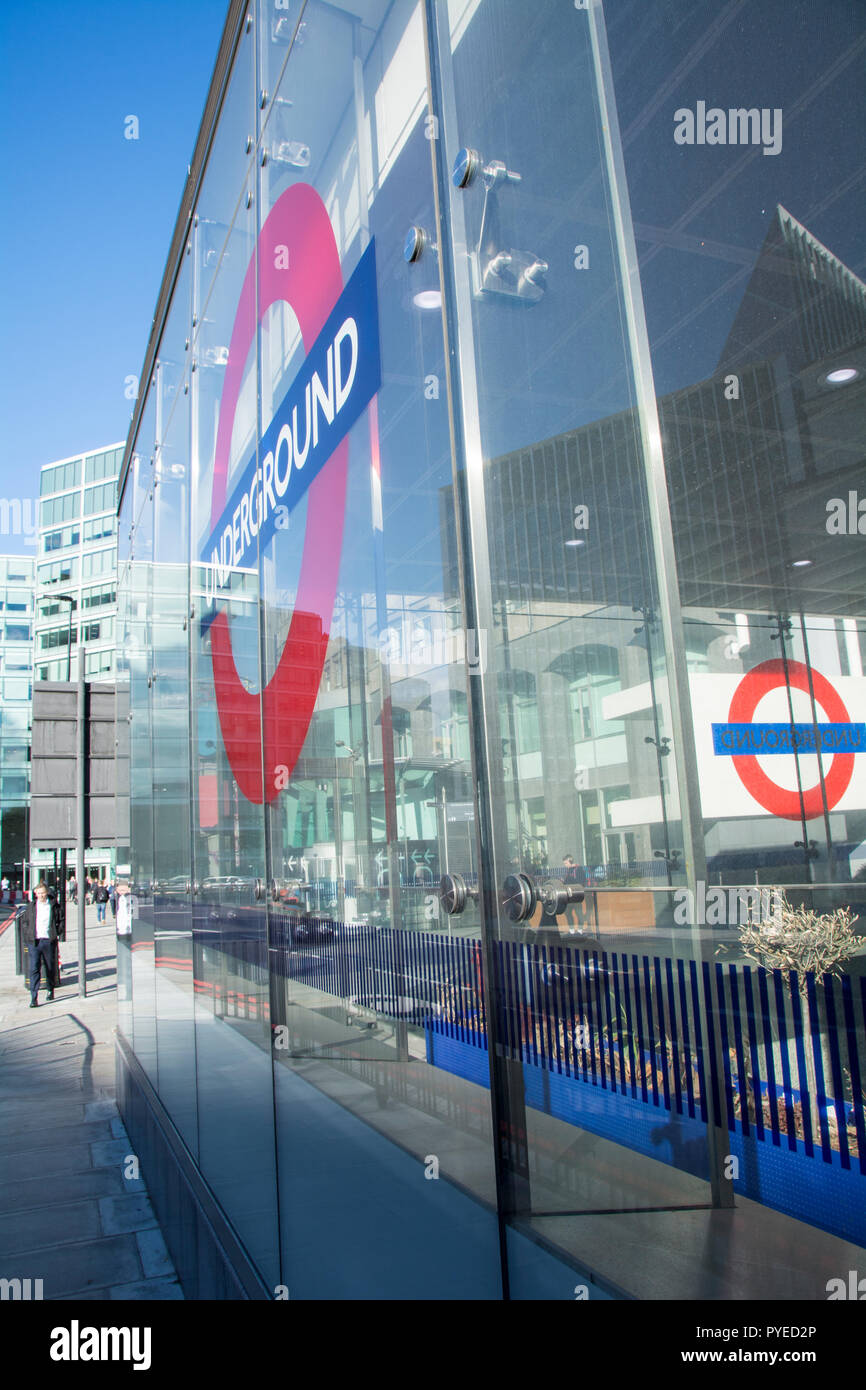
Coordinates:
(40, 926)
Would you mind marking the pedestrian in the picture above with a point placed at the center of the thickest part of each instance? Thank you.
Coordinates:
(112, 897)
(39, 932)
(4, 889)
(126, 911)
(73, 890)
(100, 897)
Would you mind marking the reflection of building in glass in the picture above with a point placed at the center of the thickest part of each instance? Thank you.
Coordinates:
(16, 664)
(77, 557)
(496, 701)
(753, 456)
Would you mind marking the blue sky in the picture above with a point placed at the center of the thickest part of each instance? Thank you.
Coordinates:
(88, 214)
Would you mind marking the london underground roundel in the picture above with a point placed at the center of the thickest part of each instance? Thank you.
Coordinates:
(304, 451)
(745, 740)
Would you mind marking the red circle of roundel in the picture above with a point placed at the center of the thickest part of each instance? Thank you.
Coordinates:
(264, 733)
(790, 805)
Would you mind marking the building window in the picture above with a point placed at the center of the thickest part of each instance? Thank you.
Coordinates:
(60, 477)
(102, 465)
(59, 572)
(58, 509)
(98, 528)
(101, 498)
(97, 598)
(98, 563)
(57, 637)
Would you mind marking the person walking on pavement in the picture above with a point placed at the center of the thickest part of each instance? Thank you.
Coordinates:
(112, 897)
(39, 932)
(127, 909)
(100, 897)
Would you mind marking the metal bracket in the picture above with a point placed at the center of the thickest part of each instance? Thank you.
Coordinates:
(497, 270)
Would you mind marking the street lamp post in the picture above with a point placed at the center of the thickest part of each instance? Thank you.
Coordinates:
(61, 886)
(67, 598)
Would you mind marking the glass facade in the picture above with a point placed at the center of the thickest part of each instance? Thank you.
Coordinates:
(76, 545)
(16, 667)
(491, 618)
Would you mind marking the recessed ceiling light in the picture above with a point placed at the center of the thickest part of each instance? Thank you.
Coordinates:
(841, 376)
(575, 542)
(797, 564)
(428, 299)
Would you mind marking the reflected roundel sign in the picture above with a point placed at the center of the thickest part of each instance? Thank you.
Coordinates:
(304, 451)
(744, 731)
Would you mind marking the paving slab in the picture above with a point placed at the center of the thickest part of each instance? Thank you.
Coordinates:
(120, 1214)
(25, 1192)
(40, 1226)
(67, 1214)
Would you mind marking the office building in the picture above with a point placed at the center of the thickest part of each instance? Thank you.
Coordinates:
(491, 621)
(16, 668)
(77, 561)
(76, 585)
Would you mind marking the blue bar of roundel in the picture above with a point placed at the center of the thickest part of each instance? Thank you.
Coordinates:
(357, 301)
(764, 740)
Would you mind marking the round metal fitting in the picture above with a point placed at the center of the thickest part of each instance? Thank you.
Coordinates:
(413, 246)
(518, 897)
(465, 167)
(452, 893)
(556, 895)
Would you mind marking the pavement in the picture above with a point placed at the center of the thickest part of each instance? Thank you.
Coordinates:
(69, 1214)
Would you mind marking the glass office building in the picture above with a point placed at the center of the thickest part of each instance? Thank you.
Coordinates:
(16, 670)
(77, 566)
(491, 617)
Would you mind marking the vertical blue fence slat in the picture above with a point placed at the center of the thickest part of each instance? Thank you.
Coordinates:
(833, 1042)
(767, 1033)
(650, 1030)
(640, 1029)
(672, 1013)
(726, 1052)
(754, 1057)
(805, 1101)
(854, 1063)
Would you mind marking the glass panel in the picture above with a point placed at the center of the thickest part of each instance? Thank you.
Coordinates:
(140, 667)
(363, 637)
(571, 703)
(172, 896)
(232, 1028)
(756, 311)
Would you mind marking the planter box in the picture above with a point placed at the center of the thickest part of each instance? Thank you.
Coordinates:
(824, 1194)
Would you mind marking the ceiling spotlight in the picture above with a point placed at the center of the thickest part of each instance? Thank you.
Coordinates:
(841, 376)
(575, 542)
(428, 299)
(798, 564)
